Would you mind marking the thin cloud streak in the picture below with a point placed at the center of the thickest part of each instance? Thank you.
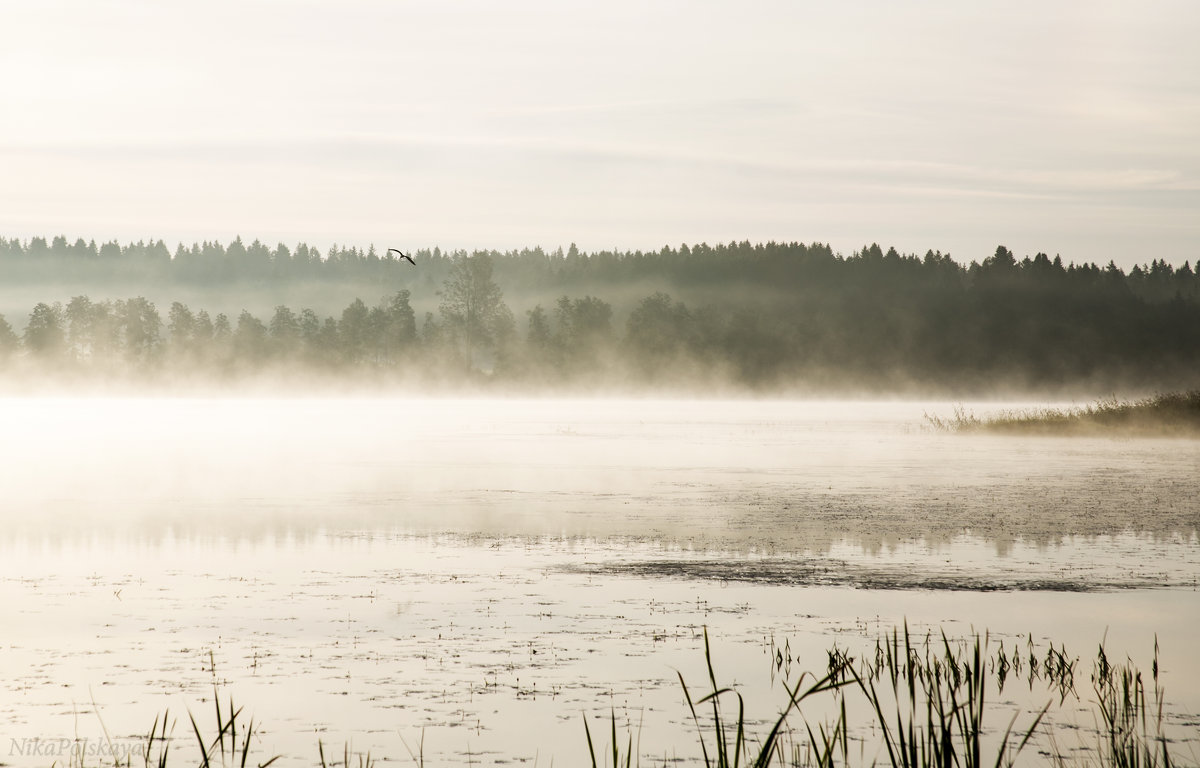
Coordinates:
(665, 122)
(386, 155)
(486, 192)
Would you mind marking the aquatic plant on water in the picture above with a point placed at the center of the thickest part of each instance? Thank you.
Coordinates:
(925, 701)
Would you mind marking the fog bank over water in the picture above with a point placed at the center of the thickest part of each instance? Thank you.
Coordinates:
(762, 476)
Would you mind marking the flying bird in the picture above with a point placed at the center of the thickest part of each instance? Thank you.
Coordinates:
(404, 256)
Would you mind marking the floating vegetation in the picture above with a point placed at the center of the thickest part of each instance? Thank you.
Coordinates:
(1175, 414)
(821, 571)
(908, 702)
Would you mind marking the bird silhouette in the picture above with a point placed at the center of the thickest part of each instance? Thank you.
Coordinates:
(404, 256)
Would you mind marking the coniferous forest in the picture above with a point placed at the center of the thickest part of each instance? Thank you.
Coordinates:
(768, 318)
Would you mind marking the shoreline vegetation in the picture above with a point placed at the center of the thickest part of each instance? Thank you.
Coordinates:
(1174, 414)
(737, 318)
(910, 702)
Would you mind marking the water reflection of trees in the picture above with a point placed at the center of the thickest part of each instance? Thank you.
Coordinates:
(1039, 513)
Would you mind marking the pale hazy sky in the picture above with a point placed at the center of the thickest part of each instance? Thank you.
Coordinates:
(1065, 127)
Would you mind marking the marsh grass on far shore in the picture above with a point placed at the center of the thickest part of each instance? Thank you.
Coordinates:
(1175, 414)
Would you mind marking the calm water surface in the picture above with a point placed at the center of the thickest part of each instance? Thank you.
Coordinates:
(490, 572)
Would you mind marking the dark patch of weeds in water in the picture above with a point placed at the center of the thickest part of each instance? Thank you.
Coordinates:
(828, 572)
(1174, 414)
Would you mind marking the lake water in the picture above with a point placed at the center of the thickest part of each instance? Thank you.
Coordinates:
(486, 573)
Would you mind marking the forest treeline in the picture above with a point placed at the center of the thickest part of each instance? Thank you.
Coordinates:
(791, 265)
(769, 317)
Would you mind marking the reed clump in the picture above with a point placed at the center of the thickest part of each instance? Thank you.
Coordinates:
(1130, 716)
(926, 703)
(1174, 414)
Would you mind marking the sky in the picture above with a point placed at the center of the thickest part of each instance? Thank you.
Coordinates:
(1071, 128)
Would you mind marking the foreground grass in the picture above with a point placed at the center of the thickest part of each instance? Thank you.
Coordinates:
(924, 704)
(1175, 414)
(911, 703)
